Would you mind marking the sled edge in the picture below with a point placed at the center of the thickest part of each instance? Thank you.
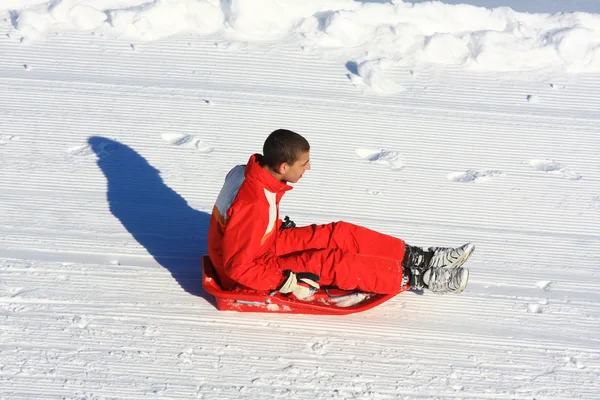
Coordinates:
(278, 303)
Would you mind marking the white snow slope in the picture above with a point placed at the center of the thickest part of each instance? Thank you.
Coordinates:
(437, 123)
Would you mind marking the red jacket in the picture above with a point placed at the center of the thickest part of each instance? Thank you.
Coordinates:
(244, 225)
(247, 247)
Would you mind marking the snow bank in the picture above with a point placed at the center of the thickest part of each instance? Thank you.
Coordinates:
(374, 34)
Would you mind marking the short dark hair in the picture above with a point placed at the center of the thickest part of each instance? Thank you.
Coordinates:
(283, 146)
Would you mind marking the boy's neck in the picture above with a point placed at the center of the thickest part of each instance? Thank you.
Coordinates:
(275, 174)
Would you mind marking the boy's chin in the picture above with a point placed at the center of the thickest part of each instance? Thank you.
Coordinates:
(291, 180)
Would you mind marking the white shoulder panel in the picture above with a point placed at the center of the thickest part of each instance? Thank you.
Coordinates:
(233, 181)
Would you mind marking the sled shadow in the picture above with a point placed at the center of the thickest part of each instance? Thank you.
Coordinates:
(156, 216)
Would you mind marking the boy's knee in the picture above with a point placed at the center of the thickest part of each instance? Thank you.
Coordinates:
(345, 226)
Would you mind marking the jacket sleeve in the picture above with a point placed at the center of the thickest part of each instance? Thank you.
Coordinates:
(245, 229)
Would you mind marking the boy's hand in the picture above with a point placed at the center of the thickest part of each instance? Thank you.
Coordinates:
(287, 223)
(301, 284)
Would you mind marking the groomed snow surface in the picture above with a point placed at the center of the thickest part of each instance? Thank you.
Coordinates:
(438, 123)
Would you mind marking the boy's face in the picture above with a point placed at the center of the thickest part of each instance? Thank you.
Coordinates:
(293, 172)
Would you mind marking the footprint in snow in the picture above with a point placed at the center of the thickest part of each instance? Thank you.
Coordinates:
(79, 322)
(390, 159)
(536, 308)
(186, 356)
(372, 74)
(557, 86)
(187, 141)
(573, 362)
(554, 168)
(85, 150)
(544, 285)
(6, 139)
(235, 45)
(474, 176)
(319, 347)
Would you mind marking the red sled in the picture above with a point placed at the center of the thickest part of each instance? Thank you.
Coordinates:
(329, 301)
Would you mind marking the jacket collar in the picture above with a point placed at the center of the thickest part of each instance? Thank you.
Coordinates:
(256, 171)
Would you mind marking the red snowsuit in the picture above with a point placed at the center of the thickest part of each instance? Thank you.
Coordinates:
(247, 247)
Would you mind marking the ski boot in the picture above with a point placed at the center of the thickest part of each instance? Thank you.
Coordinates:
(438, 268)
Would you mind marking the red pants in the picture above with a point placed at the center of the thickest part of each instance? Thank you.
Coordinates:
(343, 255)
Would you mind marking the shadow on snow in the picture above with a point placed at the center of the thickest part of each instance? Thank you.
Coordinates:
(156, 216)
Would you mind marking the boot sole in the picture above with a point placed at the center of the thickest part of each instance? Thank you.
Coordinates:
(463, 282)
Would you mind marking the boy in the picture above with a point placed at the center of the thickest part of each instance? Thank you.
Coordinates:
(250, 246)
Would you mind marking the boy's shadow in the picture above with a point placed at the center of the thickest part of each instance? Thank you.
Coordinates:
(156, 216)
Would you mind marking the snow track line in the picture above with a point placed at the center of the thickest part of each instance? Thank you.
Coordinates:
(316, 103)
(125, 313)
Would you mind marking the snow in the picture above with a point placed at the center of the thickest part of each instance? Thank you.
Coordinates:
(437, 122)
